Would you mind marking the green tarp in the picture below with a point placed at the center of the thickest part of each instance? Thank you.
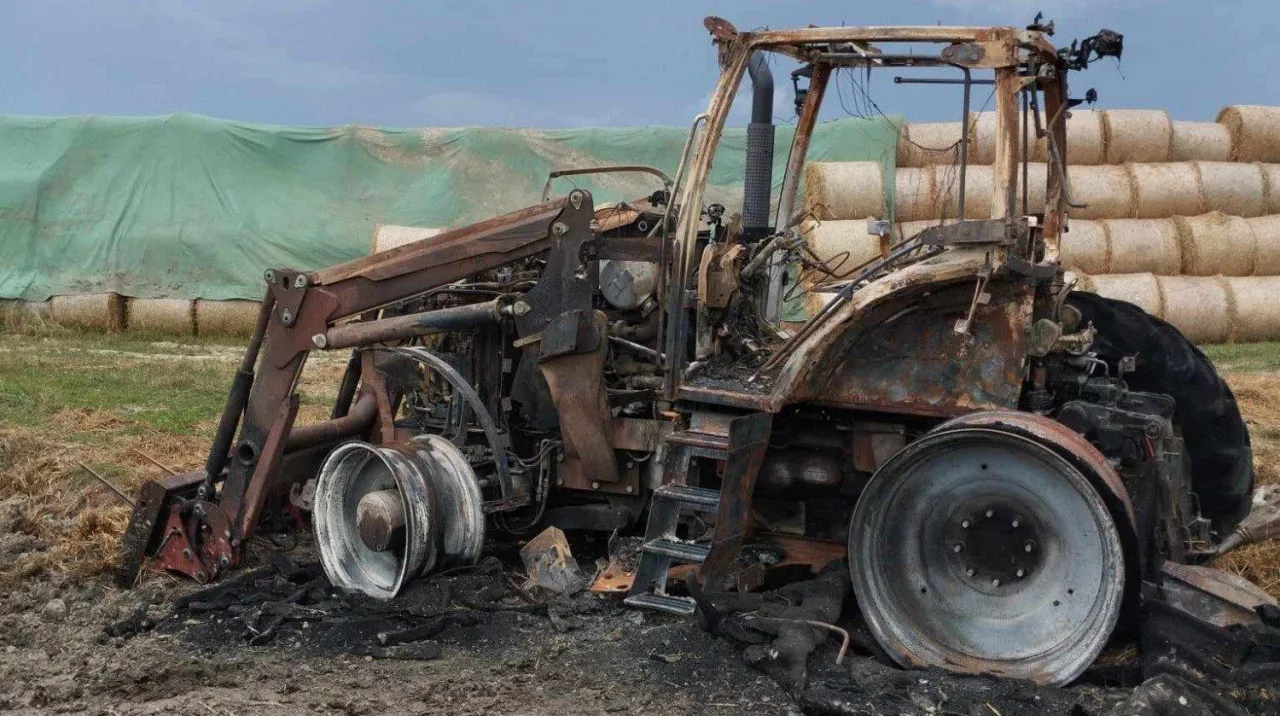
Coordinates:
(191, 207)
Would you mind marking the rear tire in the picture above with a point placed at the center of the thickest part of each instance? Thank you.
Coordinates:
(1214, 434)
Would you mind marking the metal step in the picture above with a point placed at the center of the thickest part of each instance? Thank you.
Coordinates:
(699, 498)
(703, 441)
(676, 549)
(684, 606)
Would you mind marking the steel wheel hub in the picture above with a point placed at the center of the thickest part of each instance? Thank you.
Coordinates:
(982, 551)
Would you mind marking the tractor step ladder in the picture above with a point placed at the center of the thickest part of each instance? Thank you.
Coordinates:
(709, 437)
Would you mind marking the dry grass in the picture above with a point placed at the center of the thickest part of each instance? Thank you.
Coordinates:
(1259, 398)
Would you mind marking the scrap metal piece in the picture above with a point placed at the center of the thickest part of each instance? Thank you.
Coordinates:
(550, 563)
(1261, 524)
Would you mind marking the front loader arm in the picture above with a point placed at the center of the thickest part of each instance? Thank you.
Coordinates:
(178, 522)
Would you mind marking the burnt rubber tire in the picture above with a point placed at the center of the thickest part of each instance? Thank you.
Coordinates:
(1214, 434)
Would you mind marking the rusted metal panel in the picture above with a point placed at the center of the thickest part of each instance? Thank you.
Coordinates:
(639, 434)
(917, 363)
(748, 440)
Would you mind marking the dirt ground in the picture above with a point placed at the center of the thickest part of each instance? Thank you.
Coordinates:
(72, 643)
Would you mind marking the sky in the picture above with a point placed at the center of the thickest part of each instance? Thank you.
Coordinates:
(559, 64)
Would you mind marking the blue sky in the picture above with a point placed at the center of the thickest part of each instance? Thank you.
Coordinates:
(555, 64)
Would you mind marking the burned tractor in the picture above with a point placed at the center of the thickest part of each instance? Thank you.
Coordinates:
(1009, 466)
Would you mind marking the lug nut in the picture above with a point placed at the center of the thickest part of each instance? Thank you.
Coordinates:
(1021, 573)
(969, 572)
(965, 524)
(995, 582)
(1016, 523)
(1028, 546)
(991, 513)
(958, 548)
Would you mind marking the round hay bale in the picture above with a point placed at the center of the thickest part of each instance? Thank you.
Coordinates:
(1215, 243)
(1255, 132)
(1037, 180)
(1199, 306)
(1137, 135)
(925, 143)
(915, 196)
(1200, 141)
(1086, 140)
(1106, 191)
(16, 313)
(1266, 236)
(846, 190)
(815, 301)
(978, 183)
(1078, 281)
(389, 236)
(982, 130)
(841, 244)
(1270, 187)
(904, 156)
(1144, 246)
(175, 316)
(226, 318)
(1163, 190)
(1086, 247)
(1236, 189)
(1140, 289)
(98, 311)
(1256, 315)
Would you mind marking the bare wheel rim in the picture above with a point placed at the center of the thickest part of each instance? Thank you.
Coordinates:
(985, 552)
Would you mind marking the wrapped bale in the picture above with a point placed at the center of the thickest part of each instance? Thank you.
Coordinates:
(841, 244)
(1140, 289)
(1143, 245)
(1214, 244)
(1200, 141)
(1198, 306)
(1137, 135)
(1266, 236)
(915, 195)
(1255, 132)
(390, 236)
(1086, 247)
(1163, 190)
(1255, 316)
(99, 311)
(226, 318)
(846, 190)
(1235, 189)
(160, 315)
(924, 143)
(978, 183)
(1106, 192)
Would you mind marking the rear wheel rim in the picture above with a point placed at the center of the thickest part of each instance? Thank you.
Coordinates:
(981, 551)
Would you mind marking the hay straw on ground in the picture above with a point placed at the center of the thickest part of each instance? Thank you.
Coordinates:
(1235, 189)
(1144, 245)
(915, 195)
(1266, 234)
(1256, 315)
(98, 311)
(841, 244)
(1201, 141)
(1215, 243)
(1258, 395)
(1163, 190)
(1086, 247)
(1255, 132)
(1106, 191)
(846, 190)
(160, 315)
(1198, 306)
(226, 318)
(1137, 135)
(390, 236)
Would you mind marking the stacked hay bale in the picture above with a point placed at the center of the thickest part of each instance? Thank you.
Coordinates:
(1182, 218)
